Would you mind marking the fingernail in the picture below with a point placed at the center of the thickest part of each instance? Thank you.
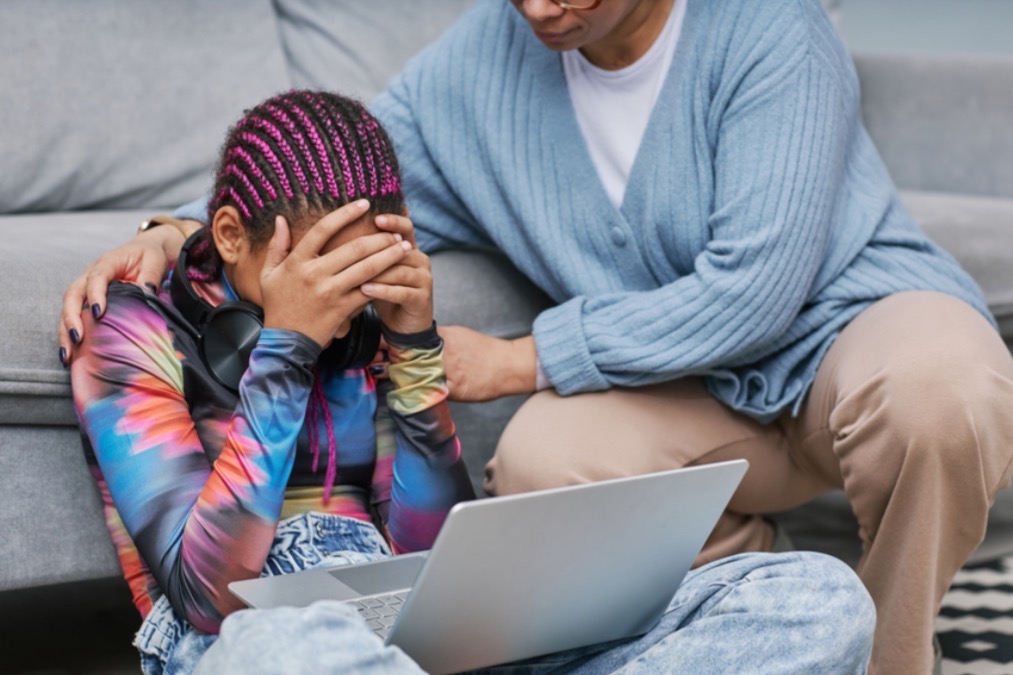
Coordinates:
(96, 311)
(397, 237)
(63, 356)
(367, 288)
(75, 337)
(406, 245)
(154, 289)
(381, 220)
(84, 306)
(362, 204)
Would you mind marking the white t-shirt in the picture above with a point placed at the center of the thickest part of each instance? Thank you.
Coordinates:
(613, 106)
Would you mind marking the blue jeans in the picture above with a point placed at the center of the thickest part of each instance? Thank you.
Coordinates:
(169, 645)
(753, 613)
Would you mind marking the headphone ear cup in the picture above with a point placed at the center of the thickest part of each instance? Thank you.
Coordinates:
(228, 339)
(358, 348)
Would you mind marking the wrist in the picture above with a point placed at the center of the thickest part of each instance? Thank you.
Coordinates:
(523, 366)
(176, 235)
(170, 239)
(424, 339)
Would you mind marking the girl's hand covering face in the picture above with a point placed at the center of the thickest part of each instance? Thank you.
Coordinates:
(403, 294)
(313, 293)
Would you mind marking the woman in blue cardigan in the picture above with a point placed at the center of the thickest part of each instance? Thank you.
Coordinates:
(734, 275)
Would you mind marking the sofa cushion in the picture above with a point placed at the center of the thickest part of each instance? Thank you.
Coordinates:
(978, 231)
(124, 104)
(941, 123)
(39, 256)
(333, 45)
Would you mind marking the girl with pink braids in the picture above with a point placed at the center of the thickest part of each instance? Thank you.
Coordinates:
(207, 481)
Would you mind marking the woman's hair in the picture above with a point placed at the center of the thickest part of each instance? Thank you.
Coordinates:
(301, 155)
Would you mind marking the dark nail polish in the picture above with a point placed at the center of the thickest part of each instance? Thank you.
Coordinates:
(75, 337)
(84, 306)
(63, 356)
(151, 287)
(96, 310)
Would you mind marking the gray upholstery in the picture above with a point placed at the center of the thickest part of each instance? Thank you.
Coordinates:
(979, 232)
(942, 123)
(40, 255)
(354, 47)
(50, 514)
(124, 102)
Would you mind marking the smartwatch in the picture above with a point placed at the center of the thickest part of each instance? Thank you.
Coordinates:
(155, 221)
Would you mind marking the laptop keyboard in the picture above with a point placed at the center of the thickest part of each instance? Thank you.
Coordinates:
(380, 611)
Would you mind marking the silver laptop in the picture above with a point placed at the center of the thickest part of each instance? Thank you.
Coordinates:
(525, 575)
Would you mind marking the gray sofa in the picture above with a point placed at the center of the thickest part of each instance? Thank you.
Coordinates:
(114, 110)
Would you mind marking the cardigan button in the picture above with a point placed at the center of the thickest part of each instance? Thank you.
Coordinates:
(618, 236)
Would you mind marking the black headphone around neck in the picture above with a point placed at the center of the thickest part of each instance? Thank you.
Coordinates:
(228, 333)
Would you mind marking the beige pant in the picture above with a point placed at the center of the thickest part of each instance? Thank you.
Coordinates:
(911, 414)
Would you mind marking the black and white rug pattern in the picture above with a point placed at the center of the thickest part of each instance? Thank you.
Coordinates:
(975, 626)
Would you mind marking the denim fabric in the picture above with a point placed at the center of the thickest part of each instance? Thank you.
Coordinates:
(754, 613)
(169, 644)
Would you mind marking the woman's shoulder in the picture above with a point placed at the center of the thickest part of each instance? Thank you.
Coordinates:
(762, 43)
(750, 29)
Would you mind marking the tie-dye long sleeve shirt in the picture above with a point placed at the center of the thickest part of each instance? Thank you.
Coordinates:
(194, 478)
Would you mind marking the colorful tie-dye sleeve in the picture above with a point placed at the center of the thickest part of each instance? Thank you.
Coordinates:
(197, 526)
(426, 475)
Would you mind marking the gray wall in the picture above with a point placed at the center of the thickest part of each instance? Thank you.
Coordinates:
(942, 26)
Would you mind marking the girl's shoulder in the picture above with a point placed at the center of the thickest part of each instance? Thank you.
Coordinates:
(134, 315)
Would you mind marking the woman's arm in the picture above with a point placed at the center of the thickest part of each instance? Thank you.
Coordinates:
(198, 525)
(781, 144)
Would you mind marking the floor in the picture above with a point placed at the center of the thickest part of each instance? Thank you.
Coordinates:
(74, 628)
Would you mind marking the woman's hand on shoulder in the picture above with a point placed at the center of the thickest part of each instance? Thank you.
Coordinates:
(144, 260)
(403, 294)
(314, 293)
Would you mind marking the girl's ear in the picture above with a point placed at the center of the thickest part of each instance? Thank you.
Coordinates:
(229, 234)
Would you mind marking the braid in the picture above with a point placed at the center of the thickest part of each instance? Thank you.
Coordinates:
(300, 154)
(336, 150)
(304, 153)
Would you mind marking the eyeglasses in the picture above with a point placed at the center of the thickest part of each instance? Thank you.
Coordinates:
(578, 4)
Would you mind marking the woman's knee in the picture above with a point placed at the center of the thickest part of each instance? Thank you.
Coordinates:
(529, 456)
(556, 440)
(948, 415)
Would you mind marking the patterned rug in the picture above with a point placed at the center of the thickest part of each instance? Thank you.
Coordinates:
(975, 626)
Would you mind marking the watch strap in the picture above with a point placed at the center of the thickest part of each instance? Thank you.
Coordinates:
(155, 221)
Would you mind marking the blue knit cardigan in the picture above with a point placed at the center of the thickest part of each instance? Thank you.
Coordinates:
(757, 222)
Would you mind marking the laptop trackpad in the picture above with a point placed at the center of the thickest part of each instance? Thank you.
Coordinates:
(383, 576)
